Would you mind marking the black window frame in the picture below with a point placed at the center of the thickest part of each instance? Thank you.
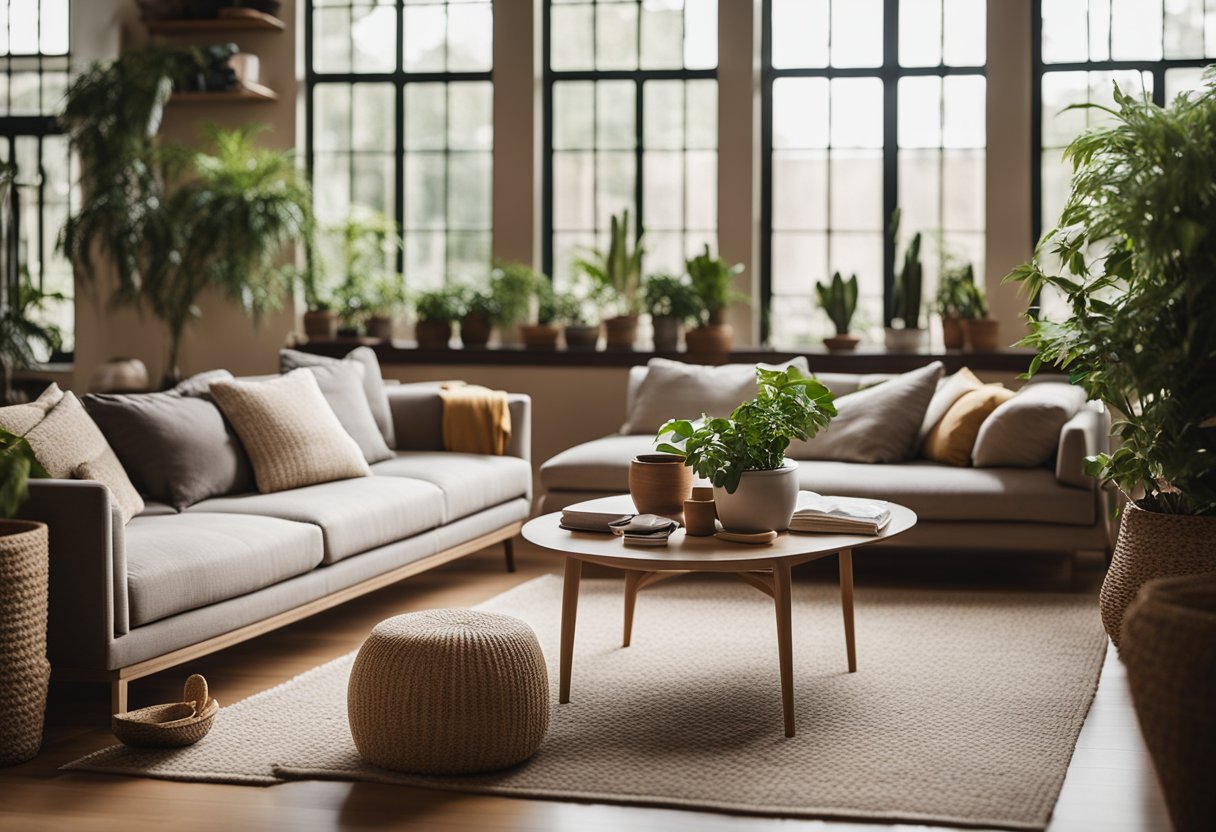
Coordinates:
(889, 72)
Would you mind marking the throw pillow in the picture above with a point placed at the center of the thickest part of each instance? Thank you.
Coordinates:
(341, 384)
(953, 437)
(199, 384)
(373, 383)
(949, 390)
(69, 444)
(1024, 432)
(876, 424)
(289, 431)
(177, 448)
(675, 390)
(21, 418)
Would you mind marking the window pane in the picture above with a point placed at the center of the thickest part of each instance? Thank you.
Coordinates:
(1183, 79)
(856, 112)
(1065, 28)
(426, 114)
(372, 116)
(614, 113)
(965, 38)
(856, 33)
(574, 114)
(920, 32)
(574, 190)
(800, 190)
(471, 116)
(470, 37)
(800, 112)
(616, 36)
(468, 189)
(664, 115)
(964, 102)
(856, 200)
(700, 34)
(800, 33)
(425, 28)
(1184, 29)
(331, 34)
(663, 193)
(702, 200)
(1135, 30)
(662, 35)
(425, 190)
(920, 111)
(373, 32)
(572, 39)
(701, 98)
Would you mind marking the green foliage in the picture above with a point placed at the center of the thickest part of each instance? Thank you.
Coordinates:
(17, 465)
(570, 309)
(839, 300)
(1136, 244)
(907, 297)
(958, 295)
(667, 294)
(20, 330)
(479, 302)
(368, 242)
(443, 305)
(617, 272)
(711, 279)
(512, 286)
(787, 406)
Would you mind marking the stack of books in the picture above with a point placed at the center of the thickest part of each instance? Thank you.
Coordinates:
(590, 521)
(645, 529)
(839, 515)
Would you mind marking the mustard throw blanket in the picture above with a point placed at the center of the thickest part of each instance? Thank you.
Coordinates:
(476, 420)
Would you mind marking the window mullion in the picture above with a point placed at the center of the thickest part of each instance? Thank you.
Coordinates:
(890, 144)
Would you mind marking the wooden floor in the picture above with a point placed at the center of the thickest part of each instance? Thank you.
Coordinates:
(1110, 784)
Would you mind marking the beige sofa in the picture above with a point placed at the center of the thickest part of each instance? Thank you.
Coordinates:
(1052, 508)
(169, 587)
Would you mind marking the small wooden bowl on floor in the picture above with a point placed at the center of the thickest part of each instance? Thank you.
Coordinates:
(172, 725)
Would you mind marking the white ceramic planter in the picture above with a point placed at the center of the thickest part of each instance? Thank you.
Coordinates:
(903, 340)
(764, 500)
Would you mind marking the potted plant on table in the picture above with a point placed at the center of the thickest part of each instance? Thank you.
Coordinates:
(839, 300)
(617, 275)
(1139, 338)
(711, 281)
(436, 310)
(755, 486)
(671, 301)
(906, 298)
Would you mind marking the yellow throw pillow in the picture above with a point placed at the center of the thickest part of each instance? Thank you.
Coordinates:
(952, 438)
(289, 431)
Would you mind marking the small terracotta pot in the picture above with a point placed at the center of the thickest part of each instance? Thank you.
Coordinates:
(475, 330)
(703, 494)
(433, 335)
(699, 517)
(666, 333)
(321, 324)
(659, 484)
(841, 343)
(952, 332)
(981, 335)
(380, 326)
(622, 332)
(710, 342)
(582, 337)
(540, 336)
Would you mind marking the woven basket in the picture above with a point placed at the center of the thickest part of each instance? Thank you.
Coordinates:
(172, 725)
(1153, 545)
(24, 669)
(448, 692)
(1169, 647)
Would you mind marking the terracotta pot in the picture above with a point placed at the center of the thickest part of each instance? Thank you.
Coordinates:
(903, 340)
(322, 323)
(666, 333)
(841, 343)
(120, 375)
(582, 337)
(952, 332)
(540, 336)
(433, 335)
(24, 669)
(475, 330)
(711, 342)
(699, 517)
(764, 501)
(1153, 545)
(1169, 648)
(622, 332)
(717, 317)
(659, 484)
(982, 335)
(380, 326)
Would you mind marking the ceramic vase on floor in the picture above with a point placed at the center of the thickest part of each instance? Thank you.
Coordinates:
(24, 669)
(764, 501)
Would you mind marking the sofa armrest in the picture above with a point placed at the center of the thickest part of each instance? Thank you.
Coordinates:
(1085, 434)
(417, 413)
(88, 587)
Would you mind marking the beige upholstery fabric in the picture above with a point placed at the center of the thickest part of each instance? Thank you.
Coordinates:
(598, 465)
(185, 561)
(875, 424)
(354, 515)
(21, 418)
(470, 482)
(952, 438)
(949, 390)
(675, 390)
(289, 431)
(70, 445)
(1024, 432)
(1085, 434)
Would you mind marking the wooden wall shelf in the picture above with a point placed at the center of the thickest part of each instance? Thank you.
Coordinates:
(248, 93)
(249, 21)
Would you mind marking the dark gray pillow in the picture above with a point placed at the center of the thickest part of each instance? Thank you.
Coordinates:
(373, 384)
(342, 385)
(177, 449)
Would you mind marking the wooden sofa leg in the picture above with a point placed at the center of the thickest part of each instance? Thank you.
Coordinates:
(508, 549)
(118, 695)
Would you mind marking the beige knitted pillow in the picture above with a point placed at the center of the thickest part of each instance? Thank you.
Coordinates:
(21, 418)
(289, 431)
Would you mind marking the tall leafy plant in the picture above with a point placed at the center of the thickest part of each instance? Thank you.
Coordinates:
(908, 295)
(711, 280)
(839, 300)
(1134, 255)
(617, 271)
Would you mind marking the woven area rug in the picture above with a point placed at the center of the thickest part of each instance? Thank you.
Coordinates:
(965, 709)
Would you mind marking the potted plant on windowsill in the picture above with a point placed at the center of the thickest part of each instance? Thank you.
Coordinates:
(954, 297)
(711, 281)
(755, 486)
(1136, 250)
(906, 297)
(436, 311)
(980, 332)
(513, 290)
(543, 334)
(570, 311)
(839, 300)
(617, 275)
(671, 301)
(481, 310)
(369, 292)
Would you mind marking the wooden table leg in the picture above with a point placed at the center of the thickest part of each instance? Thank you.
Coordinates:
(785, 647)
(574, 573)
(632, 579)
(846, 605)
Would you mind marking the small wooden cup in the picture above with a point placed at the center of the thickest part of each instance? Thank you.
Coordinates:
(699, 518)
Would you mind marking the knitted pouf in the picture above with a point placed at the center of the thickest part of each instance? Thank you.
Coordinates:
(448, 692)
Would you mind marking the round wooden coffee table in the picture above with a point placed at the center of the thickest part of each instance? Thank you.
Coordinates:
(765, 567)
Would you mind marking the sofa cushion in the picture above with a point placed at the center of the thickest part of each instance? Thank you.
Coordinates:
(952, 438)
(470, 482)
(21, 418)
(341, 384)
(949, 390)
(373, 384)
(182, 562)
(354, 515)
(875, 424)
(598, 465)
(1024, 432)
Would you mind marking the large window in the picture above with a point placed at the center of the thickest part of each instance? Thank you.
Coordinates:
(869, 105)
(399, 121)
(33, 78)
(631, 122)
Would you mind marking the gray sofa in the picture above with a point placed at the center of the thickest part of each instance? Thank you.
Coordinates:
(169, 587)
(1052, 508)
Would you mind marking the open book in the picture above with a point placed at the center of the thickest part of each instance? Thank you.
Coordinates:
(840, 515)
